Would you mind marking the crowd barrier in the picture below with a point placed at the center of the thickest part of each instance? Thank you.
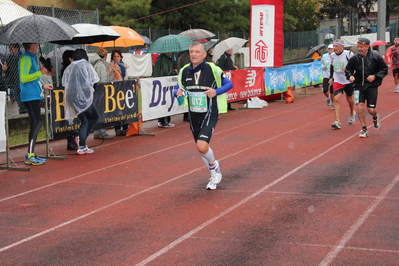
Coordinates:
(144, 99)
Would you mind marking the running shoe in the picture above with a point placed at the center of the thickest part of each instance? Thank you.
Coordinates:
(396, 90)
(328, 100)
(84, 150)
(336, 125)
(216, 176)
(166, 126)
(332, 106)
(377, 123)
(352, 118)
(364, 133)
(34, 160)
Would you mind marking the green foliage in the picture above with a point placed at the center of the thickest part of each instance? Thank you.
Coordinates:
(213, 15)
(300, 15)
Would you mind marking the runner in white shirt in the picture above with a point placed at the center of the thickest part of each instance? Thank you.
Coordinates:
(339, 59)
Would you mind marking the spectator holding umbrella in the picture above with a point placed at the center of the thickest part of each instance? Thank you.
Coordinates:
(31, 96)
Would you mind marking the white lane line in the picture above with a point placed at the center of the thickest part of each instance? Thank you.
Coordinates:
(358, 223)
(146, 155)
(153, 187)
(210, 221)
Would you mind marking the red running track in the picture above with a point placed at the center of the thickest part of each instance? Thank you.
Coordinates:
(294, 192)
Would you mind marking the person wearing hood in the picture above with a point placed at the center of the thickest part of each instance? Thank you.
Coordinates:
(79, 79)
(100, 65)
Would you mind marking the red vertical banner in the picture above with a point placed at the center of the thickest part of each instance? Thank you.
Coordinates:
(267, 37)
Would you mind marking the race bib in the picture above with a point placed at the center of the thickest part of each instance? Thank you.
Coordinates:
(198, 102)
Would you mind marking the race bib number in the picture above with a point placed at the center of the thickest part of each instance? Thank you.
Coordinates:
(198, 102)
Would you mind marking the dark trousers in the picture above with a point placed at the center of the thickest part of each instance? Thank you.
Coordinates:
(164, 120)
(89, 119)
(33, 108)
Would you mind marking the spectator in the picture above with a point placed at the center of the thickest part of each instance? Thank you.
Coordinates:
(10, 69)
(117, 72)
(226, 63)
(31, 96)
(164, 67)
(100, 65)
(78, 80)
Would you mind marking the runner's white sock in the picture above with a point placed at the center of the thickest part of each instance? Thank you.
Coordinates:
(208, 158)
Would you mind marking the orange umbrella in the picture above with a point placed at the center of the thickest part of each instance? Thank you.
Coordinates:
(128, 38)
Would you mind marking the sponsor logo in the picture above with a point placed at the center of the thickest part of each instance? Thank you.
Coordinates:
(250, 79)
(204, 136)
(261, 52)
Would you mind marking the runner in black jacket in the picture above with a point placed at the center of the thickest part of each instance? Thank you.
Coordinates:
(366, 70)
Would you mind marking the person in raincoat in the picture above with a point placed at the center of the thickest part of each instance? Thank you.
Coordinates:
(78, 79)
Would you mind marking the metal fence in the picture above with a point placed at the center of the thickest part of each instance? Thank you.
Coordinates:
(9, 78)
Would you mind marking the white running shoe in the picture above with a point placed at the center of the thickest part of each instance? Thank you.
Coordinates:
(364, 133)
(168, 125)
(396, 90)
(216, 176)
(84, 150)
(332, 106)
(328, 100)
(352, 118)
(336, 125)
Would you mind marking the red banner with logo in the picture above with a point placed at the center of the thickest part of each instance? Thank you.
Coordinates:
(267, 37)
(248, 83)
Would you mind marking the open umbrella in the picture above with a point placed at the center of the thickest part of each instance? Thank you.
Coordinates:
(36, 29)
(314, 49)
(325, 31)
(170, 43)
(197, 34)
(10, 11)
(91, 33)
(128, 38)
(210, 44)
(378, 42)
(146, 39)
(230, 43)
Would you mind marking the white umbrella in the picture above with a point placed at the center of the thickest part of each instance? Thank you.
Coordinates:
(91, 33)
(197, 34)
(10, 11)
(230, 43)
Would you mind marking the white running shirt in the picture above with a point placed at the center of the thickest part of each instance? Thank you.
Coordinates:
(338, 62)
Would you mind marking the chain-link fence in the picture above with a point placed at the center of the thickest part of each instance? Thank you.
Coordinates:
(9, 54)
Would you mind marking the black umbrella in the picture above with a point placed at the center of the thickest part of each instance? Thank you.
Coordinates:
(91, 33)
(37, 29)
(314, 49)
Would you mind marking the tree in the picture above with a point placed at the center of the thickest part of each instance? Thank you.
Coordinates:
(223, 15)
(301, 14)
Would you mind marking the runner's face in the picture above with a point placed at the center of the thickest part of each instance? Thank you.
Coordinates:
(362, 50)
(338, 48)
(197, 54)
(396, 41)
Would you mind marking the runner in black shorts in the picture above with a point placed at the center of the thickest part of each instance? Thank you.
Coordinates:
(204, 85)
(366, 70)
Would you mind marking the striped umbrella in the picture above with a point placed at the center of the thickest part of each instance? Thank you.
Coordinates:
(170, 43)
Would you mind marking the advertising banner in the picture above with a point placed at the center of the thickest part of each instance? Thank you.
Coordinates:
(2, 121)
(157, 99)
(116, 103)
(277, 80)
(267, 39)
(248, 83)
(262, 36)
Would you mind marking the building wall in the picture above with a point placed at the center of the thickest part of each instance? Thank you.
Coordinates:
(57, 3)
